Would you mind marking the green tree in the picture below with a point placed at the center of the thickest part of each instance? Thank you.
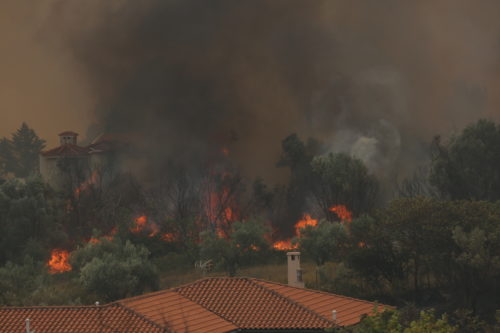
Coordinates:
(478, 260)
(29, 219)
(325, 242)
(296, 156)
(19, 155)
(114, 269)
(245, 241)
(19, 281)
(466, 167)
(7, 161)
(391, 321)
(340, 179)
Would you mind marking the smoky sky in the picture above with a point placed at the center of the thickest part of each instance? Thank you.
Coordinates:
(377, 79)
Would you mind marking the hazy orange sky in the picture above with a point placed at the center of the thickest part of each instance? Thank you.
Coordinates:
(39, 82)
(372, 77)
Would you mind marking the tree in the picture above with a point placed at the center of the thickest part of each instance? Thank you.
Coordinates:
(296, 156)
(391, 321)
(339, 179)
(467, 166)
(18, 282)
(246, 239)
(7, 161)
(26, 146)
(324, 242)
(478, 260)
(29, 219)
(114, 269)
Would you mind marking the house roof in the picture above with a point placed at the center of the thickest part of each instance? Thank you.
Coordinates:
(211, 305)
(69, 150)
(109, 318)
(170, 309)
(221, 304)
(349, 310)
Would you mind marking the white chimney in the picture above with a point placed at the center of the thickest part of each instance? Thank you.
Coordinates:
(28, 330)
(294, 271)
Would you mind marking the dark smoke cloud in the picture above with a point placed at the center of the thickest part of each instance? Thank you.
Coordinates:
(375, 78)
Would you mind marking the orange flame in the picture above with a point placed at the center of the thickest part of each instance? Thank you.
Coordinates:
(58, 262)
(140, 224)
(342, 212)
(287, 244)
(306, 220)
(284, 245)
(168, 237)
(92, 180)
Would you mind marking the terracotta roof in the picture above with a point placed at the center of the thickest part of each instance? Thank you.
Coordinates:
(222, 304)
(68, 133)
(170, 309)
(109, 318)
(349, 310)
(211, 305)
(66, 150)
(251, 306)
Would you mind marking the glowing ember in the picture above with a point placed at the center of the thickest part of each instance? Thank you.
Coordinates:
(154, 230)
(168, 237)
(225, 151)
(92, 180)
(140, 224)
(94, 240)
(342, 212)
(306, 220)
(58, 262)
(284, 245)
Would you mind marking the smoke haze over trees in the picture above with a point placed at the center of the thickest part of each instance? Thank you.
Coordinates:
(373, 79)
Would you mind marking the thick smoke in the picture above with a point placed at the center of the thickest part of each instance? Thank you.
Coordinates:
(374, 78)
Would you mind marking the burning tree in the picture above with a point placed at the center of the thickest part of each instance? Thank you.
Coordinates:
(339, 179)
(324, 242)
(244, 241)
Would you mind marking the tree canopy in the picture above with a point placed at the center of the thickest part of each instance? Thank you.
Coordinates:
(466, 167)
(19, 155)
(340, 179)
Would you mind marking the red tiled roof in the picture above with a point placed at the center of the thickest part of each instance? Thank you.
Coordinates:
(170, 309)
(251, 306)
(349, 310)
(109, 318)
(223, 304)
(69, 150)
(211, 305)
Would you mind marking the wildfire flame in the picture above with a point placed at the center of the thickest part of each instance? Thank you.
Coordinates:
(342, 212)
(306, 220)
(58, 262)
(168, 237)
(140, 224)
(287, 244)
(92, 180)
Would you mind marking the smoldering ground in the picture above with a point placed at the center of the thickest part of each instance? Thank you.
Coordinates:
(374, 78)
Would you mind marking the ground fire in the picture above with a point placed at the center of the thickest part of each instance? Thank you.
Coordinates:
(58, 262)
